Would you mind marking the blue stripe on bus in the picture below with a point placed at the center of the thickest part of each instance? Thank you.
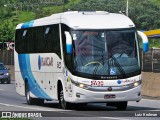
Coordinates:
(25, 68)
(27, 24)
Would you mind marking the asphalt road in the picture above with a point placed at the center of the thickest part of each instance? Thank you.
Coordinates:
(11, 102)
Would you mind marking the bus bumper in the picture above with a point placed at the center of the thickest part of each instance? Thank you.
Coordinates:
(80, 95)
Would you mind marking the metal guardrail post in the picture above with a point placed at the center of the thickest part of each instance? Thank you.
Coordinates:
(142, 59)
(152, 51)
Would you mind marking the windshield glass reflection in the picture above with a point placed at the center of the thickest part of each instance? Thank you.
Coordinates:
(103, 52)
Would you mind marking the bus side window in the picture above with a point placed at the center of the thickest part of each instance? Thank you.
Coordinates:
(40, 39)
(47, 39)
(56, 40)
(24, 34)
(24, 41)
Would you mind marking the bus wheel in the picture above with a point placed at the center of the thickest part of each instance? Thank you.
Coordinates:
(39, 101)
(30, 101)
(62, 103)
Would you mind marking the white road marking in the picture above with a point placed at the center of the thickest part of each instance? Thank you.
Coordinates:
(1, 89)
(57, 110)
(39, 109)
(150, 100)
(114, 118)
(61, 111)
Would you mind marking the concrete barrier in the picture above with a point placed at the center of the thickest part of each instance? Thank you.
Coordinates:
(151, 84)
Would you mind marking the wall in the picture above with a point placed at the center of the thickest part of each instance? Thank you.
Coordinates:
(151, 84)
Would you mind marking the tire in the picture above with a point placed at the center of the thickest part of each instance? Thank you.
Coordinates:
(38, 101)
(62, 103)
(9, 81)
(119, 105)
(30, 101)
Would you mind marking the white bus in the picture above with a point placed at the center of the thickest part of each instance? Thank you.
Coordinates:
(79, 57)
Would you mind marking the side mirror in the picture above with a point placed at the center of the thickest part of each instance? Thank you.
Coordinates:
(144, 40)
(68, 42)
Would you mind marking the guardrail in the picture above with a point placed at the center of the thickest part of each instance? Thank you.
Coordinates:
(7, 57)
(151, 60)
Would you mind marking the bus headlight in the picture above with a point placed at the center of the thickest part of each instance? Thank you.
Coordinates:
(137, 83)
(81, 85)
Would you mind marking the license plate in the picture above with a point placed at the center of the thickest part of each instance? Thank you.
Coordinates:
(110, 96)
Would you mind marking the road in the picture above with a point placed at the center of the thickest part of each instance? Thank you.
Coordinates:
(12, 102)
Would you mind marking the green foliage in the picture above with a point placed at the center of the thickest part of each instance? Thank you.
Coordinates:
(144, 13)
(154, 43)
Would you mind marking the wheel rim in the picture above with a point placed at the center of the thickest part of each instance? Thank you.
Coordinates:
(28, 96)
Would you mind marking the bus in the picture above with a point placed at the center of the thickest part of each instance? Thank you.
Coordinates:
(79, 57)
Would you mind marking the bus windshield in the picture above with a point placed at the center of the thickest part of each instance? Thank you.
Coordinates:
(105, 52)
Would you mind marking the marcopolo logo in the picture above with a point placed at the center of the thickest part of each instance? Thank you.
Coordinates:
(119, 81)
(44, 61)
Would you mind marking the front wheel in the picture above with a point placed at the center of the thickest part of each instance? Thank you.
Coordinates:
(62, 103)
(9, 81)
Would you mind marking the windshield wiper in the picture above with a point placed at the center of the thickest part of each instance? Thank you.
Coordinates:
(116, 63)
(100, 59)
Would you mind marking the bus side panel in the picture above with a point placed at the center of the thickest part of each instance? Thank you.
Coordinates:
(20, 87)
(44, 67)
(49, 84)
(19, 82)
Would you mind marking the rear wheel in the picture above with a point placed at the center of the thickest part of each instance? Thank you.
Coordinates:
(119, 105)
(38, 101)
(62, 103)
(30, 100)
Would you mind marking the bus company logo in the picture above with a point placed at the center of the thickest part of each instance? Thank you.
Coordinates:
(44, 61)
(126, 81)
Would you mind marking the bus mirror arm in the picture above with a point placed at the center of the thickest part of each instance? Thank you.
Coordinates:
(144, 40)
(68, 42)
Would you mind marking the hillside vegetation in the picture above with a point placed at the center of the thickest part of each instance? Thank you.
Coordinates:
(144, 13)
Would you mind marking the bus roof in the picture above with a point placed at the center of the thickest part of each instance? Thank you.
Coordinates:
(83, 20)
